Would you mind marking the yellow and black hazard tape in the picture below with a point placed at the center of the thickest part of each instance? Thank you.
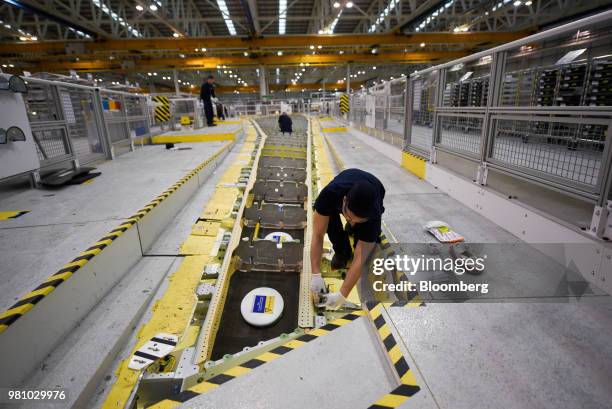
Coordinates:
(256, 362)
(28, 301)
(344, 103)
(12, 214)
(408, 384)
(413, 299)
(162, 112)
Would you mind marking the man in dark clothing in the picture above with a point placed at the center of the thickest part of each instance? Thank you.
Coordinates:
(358, 196)
(285, 123)
(207, 92)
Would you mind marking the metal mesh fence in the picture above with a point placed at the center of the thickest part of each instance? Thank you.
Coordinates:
(380, 117)
(81, 123)
(41, 103)
(461, 133)
(135, 106)
(117, 132)
(572, 151)
(139, 128)
(396, 114)
(423, 105)
(51, 143)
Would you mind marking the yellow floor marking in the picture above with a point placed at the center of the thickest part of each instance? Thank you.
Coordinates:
(198, 245)
(237, 371)
(10, 214)
(171, 314)
(391, 401)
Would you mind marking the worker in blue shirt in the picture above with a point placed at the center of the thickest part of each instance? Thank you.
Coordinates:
(358, 196)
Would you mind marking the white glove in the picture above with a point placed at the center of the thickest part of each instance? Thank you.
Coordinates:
(333, 301)
(317, 286)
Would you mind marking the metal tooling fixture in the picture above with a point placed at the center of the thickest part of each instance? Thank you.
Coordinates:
(282, 174)
(225, 341)
(264, 262)
(253, 257)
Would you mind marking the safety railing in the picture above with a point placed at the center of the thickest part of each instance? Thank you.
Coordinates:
(64, 121)
(83, 124)
(537, 111)
(186, 111)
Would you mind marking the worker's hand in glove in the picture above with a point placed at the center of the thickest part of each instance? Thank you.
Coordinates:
(317, 287)
(333, 301)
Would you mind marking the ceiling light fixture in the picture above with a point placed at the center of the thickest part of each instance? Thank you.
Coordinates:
(226, 17)
(282, 16)
(336, 5)
(349, 4)
(139, 7)
(153, 7)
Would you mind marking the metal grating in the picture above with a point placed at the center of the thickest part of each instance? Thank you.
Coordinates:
(572, 151)
(51, 143)
(41, 103)
(461, 133)
(117, 132)
(81, 123)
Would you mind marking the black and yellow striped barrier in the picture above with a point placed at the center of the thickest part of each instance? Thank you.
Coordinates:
(28, 301)
(344, 103)
(408, 384)
(256, 362)
(162, 112)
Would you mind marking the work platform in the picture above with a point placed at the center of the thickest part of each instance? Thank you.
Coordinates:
(222, 132)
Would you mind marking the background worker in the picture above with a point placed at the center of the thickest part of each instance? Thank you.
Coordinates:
(285, 123)
(207, 92)
(358, 195)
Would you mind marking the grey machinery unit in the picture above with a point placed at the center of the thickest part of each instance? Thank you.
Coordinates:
(17, 148)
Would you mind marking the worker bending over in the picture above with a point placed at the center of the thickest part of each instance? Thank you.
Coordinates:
(285, 123)
(358, 195)
(207, 93)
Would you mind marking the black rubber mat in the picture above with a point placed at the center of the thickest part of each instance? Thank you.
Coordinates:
(63, 176)
(234, 333)
(77, 180)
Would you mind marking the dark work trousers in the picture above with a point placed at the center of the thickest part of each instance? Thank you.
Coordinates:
(208, 111)
(339, 237)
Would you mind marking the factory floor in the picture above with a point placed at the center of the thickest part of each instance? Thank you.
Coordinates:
(511, 355)
(65, 221)
(471, 355)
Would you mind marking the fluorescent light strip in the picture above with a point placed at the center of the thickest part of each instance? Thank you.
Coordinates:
(282, 16)
(390, 7)
(433, 16)
(116, 17)
(333, 24)
(226, 16)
